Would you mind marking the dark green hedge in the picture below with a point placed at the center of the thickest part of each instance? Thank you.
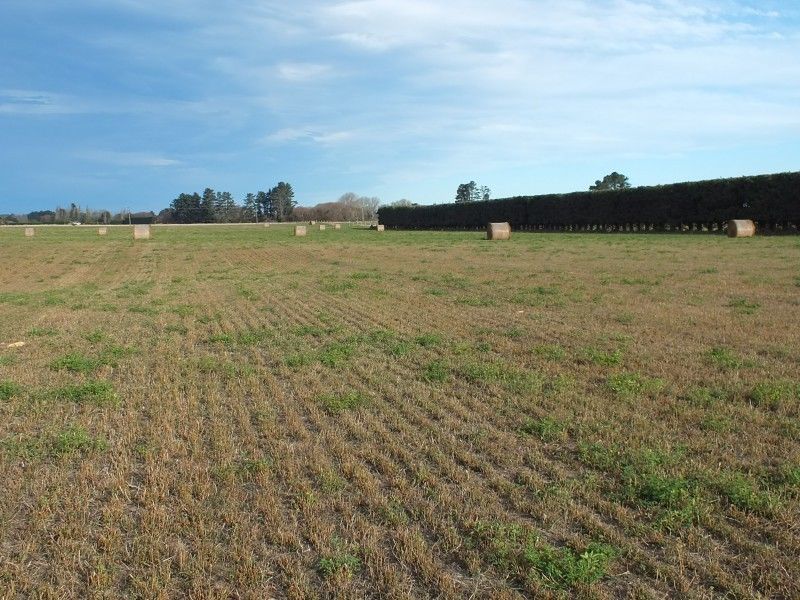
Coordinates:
(772, 201)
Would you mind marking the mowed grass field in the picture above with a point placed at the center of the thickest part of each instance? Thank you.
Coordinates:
(232, 412)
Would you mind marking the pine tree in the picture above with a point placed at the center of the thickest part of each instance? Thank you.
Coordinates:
(281, 200)
(207, 206)
(250, 210)
(224, 207)
(265, 207)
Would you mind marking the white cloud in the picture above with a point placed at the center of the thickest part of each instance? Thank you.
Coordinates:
(568, 70)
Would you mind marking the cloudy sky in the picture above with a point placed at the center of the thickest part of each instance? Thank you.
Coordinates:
(126, 103)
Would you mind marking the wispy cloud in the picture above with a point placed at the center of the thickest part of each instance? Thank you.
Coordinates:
(303, 72)
(307, 134)
(38, 102)
(129, 159)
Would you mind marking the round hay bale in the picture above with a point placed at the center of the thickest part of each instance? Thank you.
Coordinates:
(102, 231)
(380, 228)
(312, 222)
(337, 226)
(498, 231)
(322, 227)
(299, 230)
(141, 232)
(30, 232)
(266, 224)
(739, 228)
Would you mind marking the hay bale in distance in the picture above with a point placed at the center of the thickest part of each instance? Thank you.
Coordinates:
(498, 231)
(266, 225)
(380, 228)
(102, 231)
(30, 232)
(337, 225)
(299, 230)
(141, 232)
(739, 228)
(322, 227)
(312, 222)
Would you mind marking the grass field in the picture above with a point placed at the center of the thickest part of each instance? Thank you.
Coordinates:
(226, 412)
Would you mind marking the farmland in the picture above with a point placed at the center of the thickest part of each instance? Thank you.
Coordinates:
(234, 412)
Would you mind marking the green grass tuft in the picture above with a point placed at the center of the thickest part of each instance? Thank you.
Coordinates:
(42, 332)
(338, 403)
(630, 385)
(546, 428)
(551, 352)
(518, 553)
(338, 287)
(428, 340)
(705, 397)
(598, 357)
(740, 491)
(299, 359)
(775, 394)
(69, 441)
(436, 372)
(510, 377)
(725, 359)
(742, 306)
(95, 392)
(75, 363)
(74, 440)
(9, 389)
(94, 336)
(345, 562)
(334, 354)
(563, 568)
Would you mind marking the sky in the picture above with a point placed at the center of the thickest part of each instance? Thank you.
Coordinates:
(127, 103)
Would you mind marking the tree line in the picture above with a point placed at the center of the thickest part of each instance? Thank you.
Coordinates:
(73, 214)
(349, 207)
(772, 201)
(276, 204)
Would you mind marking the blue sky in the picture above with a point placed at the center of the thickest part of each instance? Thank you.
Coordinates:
(127, 103)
